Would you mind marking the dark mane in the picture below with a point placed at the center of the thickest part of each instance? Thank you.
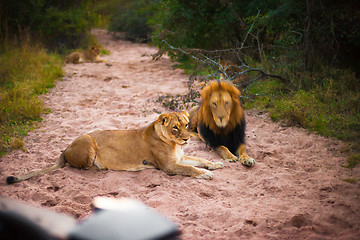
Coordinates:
(231, 140)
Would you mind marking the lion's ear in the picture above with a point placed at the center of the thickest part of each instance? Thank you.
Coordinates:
(235, 92)
(164, 119)
(205, 92)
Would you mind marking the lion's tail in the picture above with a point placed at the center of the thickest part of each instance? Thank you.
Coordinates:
(60, 163)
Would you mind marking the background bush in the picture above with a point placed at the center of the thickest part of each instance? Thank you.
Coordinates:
(30, 32)
(26, 72)
(59, 24)
(131, 17)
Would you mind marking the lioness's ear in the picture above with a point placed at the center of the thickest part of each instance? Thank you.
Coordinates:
(164, 119)
(185, 113)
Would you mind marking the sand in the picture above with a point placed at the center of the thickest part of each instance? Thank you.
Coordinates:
(295, 190)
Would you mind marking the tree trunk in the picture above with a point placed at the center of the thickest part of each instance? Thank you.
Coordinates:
(309, 4)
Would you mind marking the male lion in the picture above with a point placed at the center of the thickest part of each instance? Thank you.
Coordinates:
(220, 121)
(91, 55)
(158, 145)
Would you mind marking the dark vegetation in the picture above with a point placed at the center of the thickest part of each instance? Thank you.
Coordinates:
(32, 34)
(297, 60)
(57, 24)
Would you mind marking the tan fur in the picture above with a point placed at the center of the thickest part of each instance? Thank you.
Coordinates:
(91, 55)
(221, 111)
(158, 145)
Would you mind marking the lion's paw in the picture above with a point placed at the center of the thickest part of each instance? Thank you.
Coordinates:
(231, 159)
(206, 175)
(247, 161)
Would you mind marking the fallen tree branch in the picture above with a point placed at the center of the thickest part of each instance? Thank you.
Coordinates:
(205, 59)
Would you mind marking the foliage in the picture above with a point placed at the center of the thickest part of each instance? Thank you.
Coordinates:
(329, 109)
(300, 31)
(351, 180)
(58, 24)
(131, 18)
(27, 28)
(179, 102)
(307, 29)
(353, 161)
(26, 72)
(198, 24)
(68, 28)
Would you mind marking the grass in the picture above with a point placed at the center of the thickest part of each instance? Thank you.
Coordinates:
(103, 51)
(330, 107)
(330, 117)
(351, 180)
(25, 72)
(353, 161)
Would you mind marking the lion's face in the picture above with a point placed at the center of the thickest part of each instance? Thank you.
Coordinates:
(220, 109)
(174, 127)
(221, 106)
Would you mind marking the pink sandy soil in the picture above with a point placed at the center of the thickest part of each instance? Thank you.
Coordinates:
(295, 190)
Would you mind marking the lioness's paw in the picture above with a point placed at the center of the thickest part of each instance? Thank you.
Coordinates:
(206, 175)
(247, 161)
(216, 165)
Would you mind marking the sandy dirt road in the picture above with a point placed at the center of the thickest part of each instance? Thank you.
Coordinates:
(295, 190)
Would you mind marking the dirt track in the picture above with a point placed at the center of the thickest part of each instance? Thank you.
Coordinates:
(295, 191)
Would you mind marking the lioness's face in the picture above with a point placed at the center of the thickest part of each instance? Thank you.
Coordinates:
(175, 127)
(95, 51)
(221, 105)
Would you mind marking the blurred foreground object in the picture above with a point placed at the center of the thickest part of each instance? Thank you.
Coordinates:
(113, 219)
(22, 221)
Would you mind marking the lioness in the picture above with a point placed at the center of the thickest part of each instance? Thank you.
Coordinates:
(91, 55)
(158, 145)
(220, 121)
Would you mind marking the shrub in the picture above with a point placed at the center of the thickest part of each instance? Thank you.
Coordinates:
(26, 72)
(57, 24)
(131, 18)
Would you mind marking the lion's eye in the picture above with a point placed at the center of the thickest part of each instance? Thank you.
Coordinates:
(175, 128)
(186, 125)
(226, 103)
(214, 105)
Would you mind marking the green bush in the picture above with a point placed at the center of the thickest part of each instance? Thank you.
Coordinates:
(198, 24)
(328, 109)
(131, 17)
(65, 29)
(57, 24)
(26, 72)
